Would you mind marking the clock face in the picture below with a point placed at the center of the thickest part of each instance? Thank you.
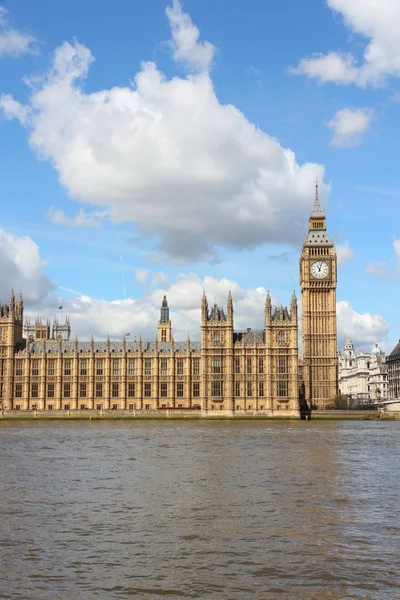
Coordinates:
(319, 269)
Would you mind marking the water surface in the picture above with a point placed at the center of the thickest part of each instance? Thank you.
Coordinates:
(209, 510)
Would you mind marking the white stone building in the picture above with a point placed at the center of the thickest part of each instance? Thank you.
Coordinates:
(362, 375)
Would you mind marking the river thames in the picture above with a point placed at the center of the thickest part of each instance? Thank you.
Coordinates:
(209, 510)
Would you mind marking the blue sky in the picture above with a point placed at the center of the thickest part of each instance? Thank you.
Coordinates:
(195, 170)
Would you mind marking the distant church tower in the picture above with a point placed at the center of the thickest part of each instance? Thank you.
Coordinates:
(318, 299)
(164, 324)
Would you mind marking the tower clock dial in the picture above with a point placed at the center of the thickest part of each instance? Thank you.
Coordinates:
(319, 269)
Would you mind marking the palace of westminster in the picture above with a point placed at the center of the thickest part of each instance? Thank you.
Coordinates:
(41, 368)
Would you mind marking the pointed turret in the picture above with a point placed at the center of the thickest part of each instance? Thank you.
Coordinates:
(12, 301)
(293, 306)
(164, 317)
(317, 211)
(317, 234)
(268, 309)
(229, 307)
(164, 324)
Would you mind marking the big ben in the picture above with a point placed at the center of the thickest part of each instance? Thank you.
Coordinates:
(318, 278)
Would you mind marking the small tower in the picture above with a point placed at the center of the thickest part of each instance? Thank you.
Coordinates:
(164, 324)
(11, 317)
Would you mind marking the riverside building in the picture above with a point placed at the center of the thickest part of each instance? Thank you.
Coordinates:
(42, 368)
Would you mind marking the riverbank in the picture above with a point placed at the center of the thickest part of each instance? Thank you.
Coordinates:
(184, 415)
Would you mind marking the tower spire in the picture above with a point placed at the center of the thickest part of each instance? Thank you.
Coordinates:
(317, 211)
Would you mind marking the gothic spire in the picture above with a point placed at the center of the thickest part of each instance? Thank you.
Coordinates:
(164, 316)
(317, 211)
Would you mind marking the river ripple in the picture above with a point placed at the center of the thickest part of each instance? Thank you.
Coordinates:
(209, 510)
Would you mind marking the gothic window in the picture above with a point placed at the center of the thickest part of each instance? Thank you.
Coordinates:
(34, 390)
(216, 365)
(196, 366)
(51, 367)
(82, 390)
(249, 389)
(50, 390)
(83, 366)
(115, 390)
(19, 367)
(164, 366)
(2, 368)
(179, 366)
(196, 389)
(131, 367)
(216, 389)
(179, 390)
(261, 366)
(99, 367)
(237, 364)
(282, 366)
(217, 337)
(249, 366)
(147, 390)
(147, 366)
(164, 390)
(18, 390)
(282, 388)
(67, 367)
(67, 390)
(281, 337)
(261, 389)
(35, 367)
(99, 390)
(115, 367)
(163, 335)
(237, 388)
(131, 390)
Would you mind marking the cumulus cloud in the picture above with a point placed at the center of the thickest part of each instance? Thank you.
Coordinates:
(375, 21)
(344, 252)
(166, 155)
(11, 109)
(13, 42)
(360, 328)
(349, 125)
(22, 269)
(80, 219)
(186, 47)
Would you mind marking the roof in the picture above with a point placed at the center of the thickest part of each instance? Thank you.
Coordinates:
(317, 211)
(249, 337)
(116, 347)
(395, 354)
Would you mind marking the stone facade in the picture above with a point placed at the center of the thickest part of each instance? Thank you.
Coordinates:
(228, 370)
(363, 375)
(318, 278)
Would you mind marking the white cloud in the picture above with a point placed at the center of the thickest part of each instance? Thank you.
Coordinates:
(344, 252)
(166, 155)
(12, 41)
(22, 269)
(186, 48)
(141, 275)
(349, 125)
(360, 328)
(376, 21)
(11, 109)
(80, 219)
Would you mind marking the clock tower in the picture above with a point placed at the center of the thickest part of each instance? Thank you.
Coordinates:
(318, 300)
